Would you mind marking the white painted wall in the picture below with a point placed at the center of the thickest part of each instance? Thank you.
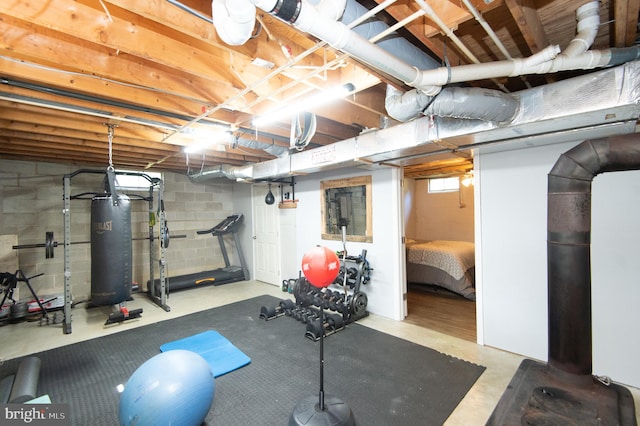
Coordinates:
(614, 272)
(384, 254)
(409, 202)
(242, 204)
(511, 235)
(439, 216)
(513, 277)
(289, 266)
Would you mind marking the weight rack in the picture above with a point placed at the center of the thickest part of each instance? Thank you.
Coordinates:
(343, 301)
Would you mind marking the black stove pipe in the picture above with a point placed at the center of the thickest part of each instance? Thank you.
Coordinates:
(569, 246)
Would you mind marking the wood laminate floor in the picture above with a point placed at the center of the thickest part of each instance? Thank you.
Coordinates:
(441, 311)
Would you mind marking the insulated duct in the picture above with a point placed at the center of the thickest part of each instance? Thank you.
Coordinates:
(457, 102)
(269, 148)
(568, 245)
(397, 57)
(404, 106)
(595, 105)
(223, 171)
(236, 173)
(430, 81)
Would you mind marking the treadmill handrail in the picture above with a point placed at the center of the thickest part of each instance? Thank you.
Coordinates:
(236, 220)
(208, 231)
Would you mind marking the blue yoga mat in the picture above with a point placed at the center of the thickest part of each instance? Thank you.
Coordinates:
(220, 353)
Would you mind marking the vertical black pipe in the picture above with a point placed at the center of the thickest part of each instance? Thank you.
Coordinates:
(569, 245)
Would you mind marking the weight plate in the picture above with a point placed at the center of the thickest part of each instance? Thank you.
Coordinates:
(300, 288)
(359, 303)
(287, 304)
(267, 312)
(165, 241)
(314, 330)
(49, 245)
(335, 322)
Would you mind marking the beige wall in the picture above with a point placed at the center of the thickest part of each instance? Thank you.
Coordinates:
(439, 216)
(32, 201)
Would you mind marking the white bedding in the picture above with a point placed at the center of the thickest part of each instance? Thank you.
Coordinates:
(454, 257)
(446, 264)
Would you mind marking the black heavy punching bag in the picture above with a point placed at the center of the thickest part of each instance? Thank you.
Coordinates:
(111, 249)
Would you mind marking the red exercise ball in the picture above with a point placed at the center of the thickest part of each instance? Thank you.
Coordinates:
(320, 266)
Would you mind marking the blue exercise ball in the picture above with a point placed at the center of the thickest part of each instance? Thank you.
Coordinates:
(172, 388)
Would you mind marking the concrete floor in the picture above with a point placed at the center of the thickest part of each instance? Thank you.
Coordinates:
(29, 337)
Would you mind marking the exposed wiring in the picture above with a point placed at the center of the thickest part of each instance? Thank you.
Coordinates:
(106, 11)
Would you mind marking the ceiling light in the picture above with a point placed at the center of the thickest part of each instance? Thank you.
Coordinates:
(467, 179)
(208, 140)
(306, 104)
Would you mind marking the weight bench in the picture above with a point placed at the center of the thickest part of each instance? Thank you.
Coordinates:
(23, 385)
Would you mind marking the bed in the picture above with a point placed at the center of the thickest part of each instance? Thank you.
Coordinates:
(446, 264)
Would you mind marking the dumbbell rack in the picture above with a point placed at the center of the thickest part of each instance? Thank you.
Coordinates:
(343, 301)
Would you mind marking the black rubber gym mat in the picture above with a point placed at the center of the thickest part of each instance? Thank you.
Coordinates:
(385, 380)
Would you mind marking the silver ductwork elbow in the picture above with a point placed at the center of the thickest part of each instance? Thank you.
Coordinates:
(455, 102)
(223, 171)
(273, 149)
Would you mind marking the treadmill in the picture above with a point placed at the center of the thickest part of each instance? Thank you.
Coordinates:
(227, 274)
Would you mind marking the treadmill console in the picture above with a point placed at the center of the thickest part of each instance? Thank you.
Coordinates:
(228, 225)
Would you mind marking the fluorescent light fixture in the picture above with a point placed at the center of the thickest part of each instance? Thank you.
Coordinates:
(305, 104)
(208, 140)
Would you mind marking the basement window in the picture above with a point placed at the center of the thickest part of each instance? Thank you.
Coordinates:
(444, 184)
(128, 180)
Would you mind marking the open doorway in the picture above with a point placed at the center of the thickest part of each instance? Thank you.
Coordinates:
(440, 253)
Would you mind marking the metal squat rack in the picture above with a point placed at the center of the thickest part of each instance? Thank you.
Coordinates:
(155, 184)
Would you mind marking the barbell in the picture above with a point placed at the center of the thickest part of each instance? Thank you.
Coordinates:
(50, 243)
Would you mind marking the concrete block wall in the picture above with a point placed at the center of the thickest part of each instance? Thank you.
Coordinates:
(193, 207)
(31, 195)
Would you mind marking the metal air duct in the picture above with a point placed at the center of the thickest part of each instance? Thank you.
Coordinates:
(599, 104)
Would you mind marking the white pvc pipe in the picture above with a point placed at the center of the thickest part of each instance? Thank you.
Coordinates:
(430, 81)
(588, 21)
(234, 20)
(342, 38)
(487, 28)
(546, 54)
(332, 9)
(435, 18)
(516, 67)
(266, 5)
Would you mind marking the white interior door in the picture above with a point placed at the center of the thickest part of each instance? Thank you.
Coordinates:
(266, 226)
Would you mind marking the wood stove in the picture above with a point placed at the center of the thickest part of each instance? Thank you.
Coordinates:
(563, 391)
